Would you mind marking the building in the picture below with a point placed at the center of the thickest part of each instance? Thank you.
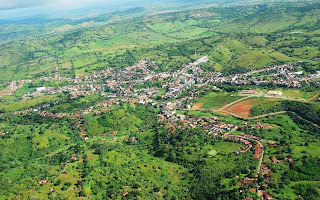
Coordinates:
(275, 93)
(250, 92)
(44, 181)
(247, 180)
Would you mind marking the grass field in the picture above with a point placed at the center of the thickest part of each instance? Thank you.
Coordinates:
(226, 147)
(298, 94)
(20, 105)
(215, 100)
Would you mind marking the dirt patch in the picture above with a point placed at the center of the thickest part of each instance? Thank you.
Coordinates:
(242, 109)
(175, 176)
(197, 106)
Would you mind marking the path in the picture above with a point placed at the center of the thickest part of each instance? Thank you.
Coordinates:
(315, 96)
(256, 117)
(237, 101)
(266, 115)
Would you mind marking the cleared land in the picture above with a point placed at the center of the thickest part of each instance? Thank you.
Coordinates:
(197, 106)
(242, 109)
(297, 94)
(245, 107)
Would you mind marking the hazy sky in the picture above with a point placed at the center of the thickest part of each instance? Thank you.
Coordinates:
(10, 4)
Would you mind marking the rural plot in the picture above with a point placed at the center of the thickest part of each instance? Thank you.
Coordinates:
(244, 108)
(215, 101)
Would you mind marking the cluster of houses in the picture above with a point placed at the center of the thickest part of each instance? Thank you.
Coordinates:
(2, 134)
(116, 83)
(280, 75)
(74, 90)
(247, 144)
(99, 108)
(258, 151)
(266, 172)
(200, 15)
(13, 87)
(211, 125)
(259, 126)
(183, 80)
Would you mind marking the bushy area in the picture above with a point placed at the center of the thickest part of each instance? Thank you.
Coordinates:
(291, 178)
(154, 165)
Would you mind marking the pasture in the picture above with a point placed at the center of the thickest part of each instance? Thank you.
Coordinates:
(215, 100)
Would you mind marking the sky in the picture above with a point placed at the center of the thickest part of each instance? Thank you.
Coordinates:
(11, 4)
(20, 9)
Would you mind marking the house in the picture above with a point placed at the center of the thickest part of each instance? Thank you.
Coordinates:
(44, 182)
(114, 132)
(272, 144)
(252, 190)
(247, 180)
(275, 93)
(133, 139)
(74, 157)
(258, 124)
(290, 159)
(274, 160)
(250, 92)
(267, 196)
(256, 157)
(124, 193)
(267, 126)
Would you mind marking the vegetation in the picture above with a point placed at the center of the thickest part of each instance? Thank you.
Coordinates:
(56, 146)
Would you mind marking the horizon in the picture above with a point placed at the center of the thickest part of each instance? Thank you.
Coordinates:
(69, 10)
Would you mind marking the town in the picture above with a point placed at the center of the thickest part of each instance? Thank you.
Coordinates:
(138, 84)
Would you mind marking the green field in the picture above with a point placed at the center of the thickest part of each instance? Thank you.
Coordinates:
(297, 94)
(217, 100)
(20, 105)
(226, 147)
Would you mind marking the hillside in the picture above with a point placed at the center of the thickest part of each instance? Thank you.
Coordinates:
(260, 35)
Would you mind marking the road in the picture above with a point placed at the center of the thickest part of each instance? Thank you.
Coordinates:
(239, 100)
(315, 96)
(256, 117)
(262, 154)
